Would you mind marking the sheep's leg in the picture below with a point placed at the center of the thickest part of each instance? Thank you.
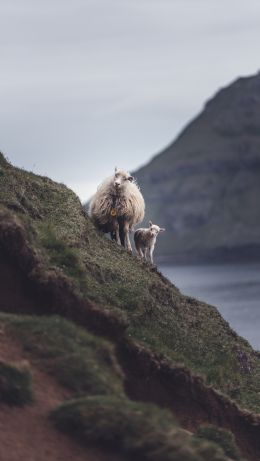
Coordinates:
(127, 243)
(113, 235)
(145, 254)
(116, 233)
(122, 235)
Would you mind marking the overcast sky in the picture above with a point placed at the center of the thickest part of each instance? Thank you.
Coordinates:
(89, 84)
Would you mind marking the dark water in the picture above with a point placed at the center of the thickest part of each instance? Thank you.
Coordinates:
(233, 289)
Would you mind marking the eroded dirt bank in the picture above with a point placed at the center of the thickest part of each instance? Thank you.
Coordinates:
(27, 287)
(152, 379)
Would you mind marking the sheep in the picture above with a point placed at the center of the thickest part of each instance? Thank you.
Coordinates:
(145, 239)
(117, 206)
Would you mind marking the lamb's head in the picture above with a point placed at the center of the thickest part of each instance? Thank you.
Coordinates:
(154, 229)
(121, 180)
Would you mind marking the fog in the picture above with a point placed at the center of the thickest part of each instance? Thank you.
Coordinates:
(87, 85)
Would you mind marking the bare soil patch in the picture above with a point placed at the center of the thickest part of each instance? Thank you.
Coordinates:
(26, 433)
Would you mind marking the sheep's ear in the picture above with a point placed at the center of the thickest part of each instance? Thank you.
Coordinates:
(150, 223)
(130, 178)
(162, 229)
(115, 169)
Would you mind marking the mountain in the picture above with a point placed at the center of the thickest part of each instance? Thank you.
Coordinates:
(204, 188)
(102, 358)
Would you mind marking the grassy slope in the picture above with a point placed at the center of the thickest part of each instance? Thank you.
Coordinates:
(83, 363)
(100, 412)
(158, 315)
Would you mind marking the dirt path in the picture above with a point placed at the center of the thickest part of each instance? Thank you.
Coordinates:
(26, 433)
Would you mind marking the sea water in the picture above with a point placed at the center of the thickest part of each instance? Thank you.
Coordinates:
(233, 288)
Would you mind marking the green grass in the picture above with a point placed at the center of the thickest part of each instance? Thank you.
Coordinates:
(138, 430)
(159, 316)
(63, 256)
(222, 437)
(84, 363)
(100, 413)
(15, 383)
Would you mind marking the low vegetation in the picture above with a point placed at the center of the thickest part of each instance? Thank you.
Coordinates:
(100, 412)
(84, 363)
(222, 437)
(15, 383)
(143, 431)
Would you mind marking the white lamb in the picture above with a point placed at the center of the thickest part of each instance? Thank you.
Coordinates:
(145, 239)
(117, 206)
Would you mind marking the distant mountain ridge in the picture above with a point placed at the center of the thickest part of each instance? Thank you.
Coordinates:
(204, 188)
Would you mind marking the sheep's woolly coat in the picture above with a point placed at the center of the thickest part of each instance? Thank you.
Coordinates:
(129, 204)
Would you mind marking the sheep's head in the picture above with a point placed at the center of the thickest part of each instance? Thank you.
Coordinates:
(121, 179)
(154, 229)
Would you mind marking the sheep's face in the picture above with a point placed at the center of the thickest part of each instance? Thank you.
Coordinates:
(121, 179)
(154, 229)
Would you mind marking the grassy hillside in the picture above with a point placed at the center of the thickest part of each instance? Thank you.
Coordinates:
(98, 411)
(170, 349)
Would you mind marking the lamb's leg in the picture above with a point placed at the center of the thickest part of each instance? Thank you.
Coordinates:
(139, 251)
(145, 254)
(151, 253)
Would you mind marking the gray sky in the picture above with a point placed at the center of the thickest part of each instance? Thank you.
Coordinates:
(89, 84)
